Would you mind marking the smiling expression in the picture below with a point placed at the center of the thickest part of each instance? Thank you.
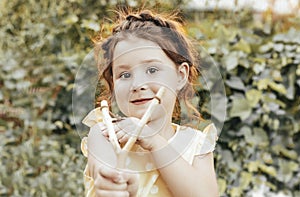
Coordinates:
(140, 68)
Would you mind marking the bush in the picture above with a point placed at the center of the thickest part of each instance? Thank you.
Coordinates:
(43, 45)
(258, 149)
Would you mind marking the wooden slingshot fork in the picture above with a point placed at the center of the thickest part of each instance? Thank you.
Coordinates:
(95, 138)
(123, 152)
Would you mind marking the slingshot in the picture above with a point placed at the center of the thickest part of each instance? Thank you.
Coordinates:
(102, 113)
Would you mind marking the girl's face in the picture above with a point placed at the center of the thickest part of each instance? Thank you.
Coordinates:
(140, 67)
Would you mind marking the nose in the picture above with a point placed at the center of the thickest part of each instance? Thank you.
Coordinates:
(139, 84)
(140, 88)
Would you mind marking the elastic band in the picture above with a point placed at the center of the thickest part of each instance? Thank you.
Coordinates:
(103, 107)
(156, 97)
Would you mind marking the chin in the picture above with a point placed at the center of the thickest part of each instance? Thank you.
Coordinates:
(136, 114)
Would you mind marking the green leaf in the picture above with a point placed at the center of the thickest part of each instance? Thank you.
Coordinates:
(1, 96)
(71, 19)
(230, 61)
(235, 192)
(278, 47)
(286, 170)
(89, 24)
(262, 138)
(277, 87)
(23, 86)
(257, 137)
(276, 75)
(258, 67)
(242, 45)
(270, 99)
(240, 108)
(263, 84)
(291, 81)
(235, 83)
(270, 170)
(19, 74)
(253, 96)
(10, 85)
(267, 158)
(222, 185)
(267, 47)
(280, 149)
(10, 65)
(245, 180)
(298, 70)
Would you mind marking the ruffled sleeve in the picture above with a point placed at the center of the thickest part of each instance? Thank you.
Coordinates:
(88, 180)
(88, 184)
(200, 142)
(207, 144)
(84, 148)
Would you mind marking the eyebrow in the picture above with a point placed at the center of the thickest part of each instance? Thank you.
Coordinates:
(125, 66)
(151, 60)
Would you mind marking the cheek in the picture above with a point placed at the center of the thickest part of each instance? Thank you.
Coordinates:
(121, 89)
(171, 82)
(122, 93)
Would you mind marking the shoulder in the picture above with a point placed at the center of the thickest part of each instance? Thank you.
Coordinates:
(211, 137)
(204, 141)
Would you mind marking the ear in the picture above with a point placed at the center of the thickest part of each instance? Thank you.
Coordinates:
(183, 74)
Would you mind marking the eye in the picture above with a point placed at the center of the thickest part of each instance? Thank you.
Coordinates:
(125, 75)
(151, 70)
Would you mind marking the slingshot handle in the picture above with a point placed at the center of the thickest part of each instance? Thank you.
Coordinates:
(110, 127)
(155, 101)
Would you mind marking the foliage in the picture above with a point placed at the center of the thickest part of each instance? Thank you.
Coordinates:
(258, 150)
(39, 166)
(43, 44)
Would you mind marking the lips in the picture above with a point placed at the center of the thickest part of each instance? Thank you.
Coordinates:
(141, 101)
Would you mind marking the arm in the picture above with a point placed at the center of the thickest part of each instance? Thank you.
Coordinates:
(182, 181)
(179, 175)
(107, 180)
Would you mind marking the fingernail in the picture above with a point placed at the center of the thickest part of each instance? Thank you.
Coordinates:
(118, 119)
(121, 179)
(118, 179)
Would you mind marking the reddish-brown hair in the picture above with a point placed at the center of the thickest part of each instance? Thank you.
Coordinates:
(167, 32)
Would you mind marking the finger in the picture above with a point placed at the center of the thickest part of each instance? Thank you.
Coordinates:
(133, 183)
(107, 184)
(102, 126)
(127, 125)
(103, 129)
(106, 193)
(131, 177)
(120, 134)
(105, 133)
(118, 127)
(110, 173)
(124, 139)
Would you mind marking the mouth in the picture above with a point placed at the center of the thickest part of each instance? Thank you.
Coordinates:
(140, 101)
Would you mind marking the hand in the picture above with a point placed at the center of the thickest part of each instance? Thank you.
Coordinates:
(125, 129)
(111, 182)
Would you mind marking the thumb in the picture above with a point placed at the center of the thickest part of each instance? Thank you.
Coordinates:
(131, 177)
(133, 183)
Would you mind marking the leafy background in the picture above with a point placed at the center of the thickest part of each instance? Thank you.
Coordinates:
(44, 42)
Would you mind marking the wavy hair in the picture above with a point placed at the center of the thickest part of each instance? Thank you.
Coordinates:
(164, 30)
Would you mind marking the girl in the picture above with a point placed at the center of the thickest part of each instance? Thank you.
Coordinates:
(146, 52)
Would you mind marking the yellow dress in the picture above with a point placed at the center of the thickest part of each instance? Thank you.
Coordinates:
(187, 141)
